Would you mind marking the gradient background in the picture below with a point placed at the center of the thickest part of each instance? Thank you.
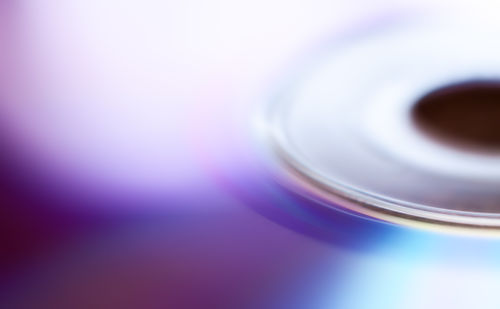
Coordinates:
(129, 177)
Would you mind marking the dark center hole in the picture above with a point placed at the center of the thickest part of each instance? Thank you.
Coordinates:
(465, 115)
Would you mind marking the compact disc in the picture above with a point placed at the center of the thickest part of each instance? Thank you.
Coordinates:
(350, 128)
(137, 169)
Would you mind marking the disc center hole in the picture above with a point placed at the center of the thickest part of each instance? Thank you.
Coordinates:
(464, 115)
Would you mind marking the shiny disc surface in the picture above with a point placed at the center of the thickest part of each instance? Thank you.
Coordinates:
(345, 126)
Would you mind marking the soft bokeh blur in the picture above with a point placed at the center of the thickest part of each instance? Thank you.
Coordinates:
(128, 178)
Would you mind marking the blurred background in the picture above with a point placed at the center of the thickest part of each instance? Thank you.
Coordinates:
(129, 178)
